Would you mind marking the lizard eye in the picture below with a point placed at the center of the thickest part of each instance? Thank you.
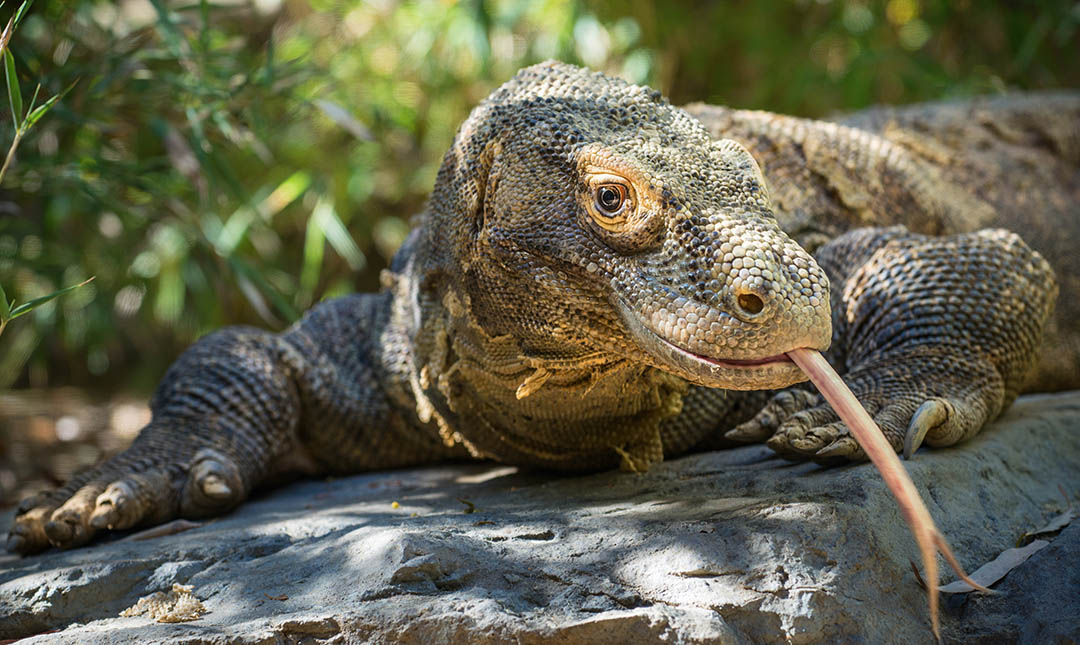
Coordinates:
(610, 199)
(613, 205)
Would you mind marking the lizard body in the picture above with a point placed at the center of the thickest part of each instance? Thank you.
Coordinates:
(601, 279)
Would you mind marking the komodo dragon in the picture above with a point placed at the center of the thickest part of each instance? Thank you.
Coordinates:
(602, 279)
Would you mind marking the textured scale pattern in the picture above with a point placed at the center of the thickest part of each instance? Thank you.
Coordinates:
(601, 280)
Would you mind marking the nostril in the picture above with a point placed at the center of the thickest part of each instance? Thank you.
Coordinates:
(750, 303)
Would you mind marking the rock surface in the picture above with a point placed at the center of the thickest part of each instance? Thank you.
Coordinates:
(729, 547)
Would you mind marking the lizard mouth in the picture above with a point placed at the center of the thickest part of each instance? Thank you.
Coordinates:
(765, 373)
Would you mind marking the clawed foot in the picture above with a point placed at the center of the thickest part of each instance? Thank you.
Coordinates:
(908, 404)
(129, 490)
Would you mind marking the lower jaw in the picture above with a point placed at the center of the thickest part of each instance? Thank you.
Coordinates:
(767, 373)
(770, 376)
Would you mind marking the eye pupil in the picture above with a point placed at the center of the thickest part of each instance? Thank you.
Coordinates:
(609, 199)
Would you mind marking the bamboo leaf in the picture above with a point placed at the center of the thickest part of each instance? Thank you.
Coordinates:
(171, 34)
(21, 10)
(314, 246)
(5, 37)
(27, 307)
(5, 307)
(33, 99)
(338, 235)
(345, 119)
(14, 94)
(244, 270)
(40, 110)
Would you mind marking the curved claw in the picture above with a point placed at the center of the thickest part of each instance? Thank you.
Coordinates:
(214, 484)
(845, 448)
(15, 543)
(214, 487)
(931, 414)
(754, 430)
(114, 507)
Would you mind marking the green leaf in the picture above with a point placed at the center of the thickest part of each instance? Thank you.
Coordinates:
(33, 99)
(14, 94)
(22, 10)
(345, 119)
(244, 270)
(338, 235)
(5, 307)
(27, 307)
(5, 37)
(40, 110)
(171, 34)
(314, 249)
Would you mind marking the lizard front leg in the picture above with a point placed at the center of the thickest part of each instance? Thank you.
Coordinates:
(239, 406)
(934, 335)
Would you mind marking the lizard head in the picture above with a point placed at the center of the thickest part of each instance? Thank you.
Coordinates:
(589, 215)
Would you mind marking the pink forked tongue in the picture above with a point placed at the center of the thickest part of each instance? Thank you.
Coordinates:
(873, 443)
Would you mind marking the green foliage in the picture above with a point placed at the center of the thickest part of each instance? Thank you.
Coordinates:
(236, 163)
(9, 311)
(816, 57)
(22, 122)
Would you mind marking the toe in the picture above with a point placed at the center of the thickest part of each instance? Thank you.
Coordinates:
(760, 428)
(778, 410)
(69, 525)
(214, 484)
(816, 438)
(964, 418)
(28, 533)
(141, 498)
(796, 434)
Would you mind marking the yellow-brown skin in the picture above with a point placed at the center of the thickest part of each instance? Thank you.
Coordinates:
(592, 281)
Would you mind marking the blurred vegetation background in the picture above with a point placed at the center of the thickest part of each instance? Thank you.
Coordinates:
(237, 161)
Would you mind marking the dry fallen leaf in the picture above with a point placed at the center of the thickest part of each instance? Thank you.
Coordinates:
(1052, 527)
(996, 569)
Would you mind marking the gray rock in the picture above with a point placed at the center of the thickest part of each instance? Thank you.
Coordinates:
(735, 546)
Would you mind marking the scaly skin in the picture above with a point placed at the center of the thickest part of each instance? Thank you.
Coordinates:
(601, 280)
